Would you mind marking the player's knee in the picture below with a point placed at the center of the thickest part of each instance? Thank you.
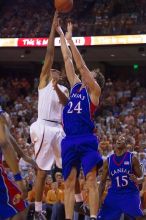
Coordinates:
(70, 183)
(71, 180)
(91, 181)
(69, 186)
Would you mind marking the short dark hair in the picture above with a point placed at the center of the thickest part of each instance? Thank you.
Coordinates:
(99, 78)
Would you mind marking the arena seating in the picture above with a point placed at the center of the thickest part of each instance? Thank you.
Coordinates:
(19, 18)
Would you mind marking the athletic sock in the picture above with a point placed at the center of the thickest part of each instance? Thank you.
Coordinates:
(93, 217)
(78, 197)
(38, 206)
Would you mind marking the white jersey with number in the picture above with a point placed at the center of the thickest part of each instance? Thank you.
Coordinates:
(49, 107)
(47, 132)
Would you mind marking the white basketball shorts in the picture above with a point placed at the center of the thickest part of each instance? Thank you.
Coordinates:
(46, 137)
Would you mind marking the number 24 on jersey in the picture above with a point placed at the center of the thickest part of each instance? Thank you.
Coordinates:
(77, 108)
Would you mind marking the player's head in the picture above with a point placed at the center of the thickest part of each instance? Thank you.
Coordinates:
(121, 142)
(55, 74)
(99, 77)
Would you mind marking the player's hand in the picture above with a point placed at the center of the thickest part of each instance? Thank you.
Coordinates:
(99, 204)
(22, 188)
(55, 19)
(58, 28)
(31, 161)
(133, 178)
(68, 34)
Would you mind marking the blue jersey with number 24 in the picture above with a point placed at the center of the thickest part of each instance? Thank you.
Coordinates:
(78, 113)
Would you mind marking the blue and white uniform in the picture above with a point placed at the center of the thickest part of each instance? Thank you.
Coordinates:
(10, 196)
(80, 146)
(123, 195)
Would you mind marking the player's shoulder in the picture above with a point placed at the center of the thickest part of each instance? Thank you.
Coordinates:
(109, 159)
(110, 156)
(132, 154)
(45, 86)
(75, 87)
(63, 88)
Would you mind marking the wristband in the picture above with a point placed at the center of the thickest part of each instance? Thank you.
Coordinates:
(17, 177)
(140, 180)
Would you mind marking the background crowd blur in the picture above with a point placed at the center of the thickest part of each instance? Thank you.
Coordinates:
(122, 110)
(123, 103)
(21, 18)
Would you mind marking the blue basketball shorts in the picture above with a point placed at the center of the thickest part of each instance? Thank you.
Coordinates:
(115, 204)
(10, 197)
(80, 151)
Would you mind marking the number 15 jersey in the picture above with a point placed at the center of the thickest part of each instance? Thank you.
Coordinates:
(78, 113)
(120, 168)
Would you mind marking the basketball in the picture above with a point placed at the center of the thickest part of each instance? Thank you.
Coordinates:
(64, 6)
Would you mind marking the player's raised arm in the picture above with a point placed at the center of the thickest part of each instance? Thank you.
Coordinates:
(10, 155)
(80, 63)
(7, 149)
(21, 153)
(67, 56)
(45, 73)
(63, 96)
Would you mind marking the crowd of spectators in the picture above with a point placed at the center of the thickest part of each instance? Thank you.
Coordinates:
(122, 110)
(20, 18)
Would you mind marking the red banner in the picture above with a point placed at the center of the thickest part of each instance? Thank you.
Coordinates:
(32, 42)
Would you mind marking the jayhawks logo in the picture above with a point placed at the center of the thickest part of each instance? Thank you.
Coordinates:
(16, 199)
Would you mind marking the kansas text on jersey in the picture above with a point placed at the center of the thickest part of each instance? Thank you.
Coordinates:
(78, 113)
(119, 170)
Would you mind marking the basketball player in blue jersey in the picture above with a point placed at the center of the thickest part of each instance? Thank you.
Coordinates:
(80, 146)
(123, 196)
(11, 197)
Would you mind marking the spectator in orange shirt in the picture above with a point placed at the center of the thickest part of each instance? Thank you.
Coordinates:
(59, 180)
(54, 195)
(55, 199)
(48, 184)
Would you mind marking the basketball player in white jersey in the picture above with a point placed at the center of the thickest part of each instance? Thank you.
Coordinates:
(46, 133)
